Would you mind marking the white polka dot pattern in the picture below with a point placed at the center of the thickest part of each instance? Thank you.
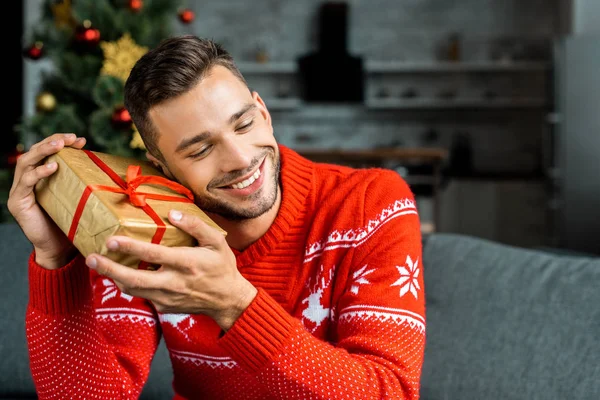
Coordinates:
(101, 354)
(377, 361)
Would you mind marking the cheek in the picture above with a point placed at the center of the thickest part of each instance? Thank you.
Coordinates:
(263, 130)
(198, 178)
(195, 176)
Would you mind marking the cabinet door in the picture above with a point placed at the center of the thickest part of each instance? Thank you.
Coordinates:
(508, 212)
(522, 214)
(469, 207)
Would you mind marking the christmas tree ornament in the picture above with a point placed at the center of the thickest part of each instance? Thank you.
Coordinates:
(136, 5)
(63, 14)
(120, 56)
(45, 102)
(74, 95)
(186, 16)
(18, 151)
(87, 35)
(136, 140)
(35, 51)
(120, 118)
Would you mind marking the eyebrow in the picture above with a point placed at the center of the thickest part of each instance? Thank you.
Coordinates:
(185, 143)
(238, 115)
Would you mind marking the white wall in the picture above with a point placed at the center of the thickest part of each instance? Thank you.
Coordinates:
(586, 16)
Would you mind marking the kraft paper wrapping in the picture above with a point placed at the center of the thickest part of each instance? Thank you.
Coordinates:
(106, 213)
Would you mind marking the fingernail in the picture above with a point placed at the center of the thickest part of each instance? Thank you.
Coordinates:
(51, 165)
(70, 136)
(112, 245)
(92, 262)
(53, 143)
(176, 215)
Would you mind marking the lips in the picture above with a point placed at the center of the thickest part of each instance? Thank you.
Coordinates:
(247, 180)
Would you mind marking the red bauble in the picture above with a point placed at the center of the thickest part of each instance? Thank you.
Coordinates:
(186, 16)
(120, 118)
(35, 51)
(136, 5)
(14, 155)
(87, 35)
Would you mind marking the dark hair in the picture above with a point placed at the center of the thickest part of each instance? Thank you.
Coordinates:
(167, 71)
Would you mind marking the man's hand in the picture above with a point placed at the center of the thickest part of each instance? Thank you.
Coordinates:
(191, 280)
(52, 247)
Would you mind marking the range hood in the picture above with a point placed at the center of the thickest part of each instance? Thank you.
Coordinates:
(331, 74)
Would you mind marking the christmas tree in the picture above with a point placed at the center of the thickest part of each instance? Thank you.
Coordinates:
(93, 44)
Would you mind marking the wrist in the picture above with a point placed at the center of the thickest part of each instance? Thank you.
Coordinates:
(238, 304)
(55, 261)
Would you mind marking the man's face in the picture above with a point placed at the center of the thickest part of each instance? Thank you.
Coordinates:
(217, 139)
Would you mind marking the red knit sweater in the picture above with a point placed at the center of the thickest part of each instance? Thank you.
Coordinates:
(339, 313)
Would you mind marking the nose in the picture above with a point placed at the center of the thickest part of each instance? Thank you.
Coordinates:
(235, 155)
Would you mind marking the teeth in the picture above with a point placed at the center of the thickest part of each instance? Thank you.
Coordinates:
(247, 182)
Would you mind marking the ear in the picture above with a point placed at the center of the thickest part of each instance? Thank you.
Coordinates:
(262, 107)
(159, 165)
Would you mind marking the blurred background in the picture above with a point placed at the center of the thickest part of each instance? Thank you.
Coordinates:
(488, 108)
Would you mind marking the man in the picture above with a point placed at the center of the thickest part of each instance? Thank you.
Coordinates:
(315, 293)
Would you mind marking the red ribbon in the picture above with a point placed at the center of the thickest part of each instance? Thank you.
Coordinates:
(128, 187)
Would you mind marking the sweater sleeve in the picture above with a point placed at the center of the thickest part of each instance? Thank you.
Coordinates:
(86, 339)
(379, 338)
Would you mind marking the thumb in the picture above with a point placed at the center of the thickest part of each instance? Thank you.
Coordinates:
(206, 235)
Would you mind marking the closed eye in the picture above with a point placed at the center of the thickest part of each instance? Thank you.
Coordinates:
(201, 153)
(245, 126)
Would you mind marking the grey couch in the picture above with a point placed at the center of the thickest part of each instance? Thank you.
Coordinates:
(502, 323)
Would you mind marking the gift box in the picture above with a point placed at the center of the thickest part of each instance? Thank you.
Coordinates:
(94, 195)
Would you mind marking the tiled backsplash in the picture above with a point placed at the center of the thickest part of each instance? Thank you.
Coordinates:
(407, 30)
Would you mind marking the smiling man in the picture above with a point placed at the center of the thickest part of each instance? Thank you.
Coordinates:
(315, 293)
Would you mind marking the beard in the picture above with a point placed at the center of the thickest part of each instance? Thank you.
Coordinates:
(263, 200)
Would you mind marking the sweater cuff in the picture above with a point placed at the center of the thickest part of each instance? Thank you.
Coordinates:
(260, 333)
(59, 291)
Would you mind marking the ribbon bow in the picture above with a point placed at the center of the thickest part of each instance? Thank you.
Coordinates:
(134, 179)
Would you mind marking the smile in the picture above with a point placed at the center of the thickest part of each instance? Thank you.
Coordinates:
(249, 184)
(246, 182)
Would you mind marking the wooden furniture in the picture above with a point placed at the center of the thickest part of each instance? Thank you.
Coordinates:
(396, 158)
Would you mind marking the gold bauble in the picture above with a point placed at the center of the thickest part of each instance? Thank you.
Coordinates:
(45, 102)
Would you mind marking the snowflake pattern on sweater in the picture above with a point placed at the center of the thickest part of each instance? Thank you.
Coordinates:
(339, 313)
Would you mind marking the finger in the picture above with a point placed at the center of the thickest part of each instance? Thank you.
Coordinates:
(36, 154)
(130, 279)
(206, 235)
(44, 148)
(79, 142)
(70, 139)
(28, 181)
(150, 252)
(66, 138)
